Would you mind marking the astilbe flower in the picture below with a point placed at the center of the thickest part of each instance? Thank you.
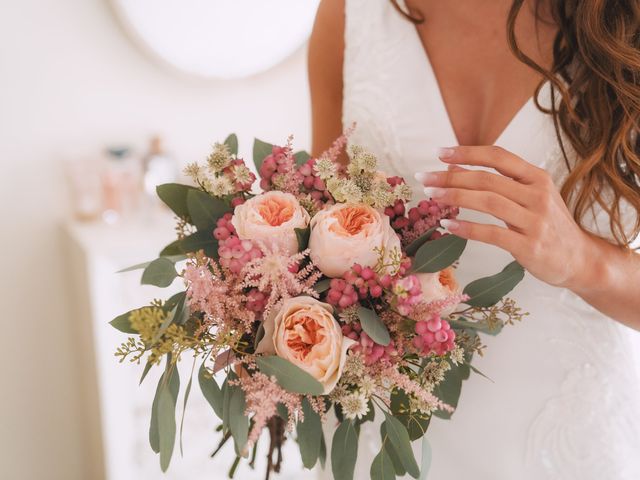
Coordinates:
(426, 310)
(262, 396)
(281, 275)
(402, 381)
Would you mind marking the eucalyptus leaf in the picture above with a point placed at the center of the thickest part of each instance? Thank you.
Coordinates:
(161, 273)
(174, 195)
(323, 452)
(309, 435)
(425, 462)
(178, 302)
(283, 413)
(436, 255)
(302, 234)
(232, 142)
(373, 326)
(399, 438)
(289, 376)
(147, 369)
(301, 157)
(450, 388)
(187, 392)
(162, 429)
(212, 393)
(344, 451)
(416, 423)
(122, 323)
(173, 249)
(322, 285)
(382, 467)
(238, 421)
(205, 210)
(481, 326)
(139, 266)
(260, 151)
(202, 240)
(393, 455)
(413, 247)
(226, 399)
(488, 291)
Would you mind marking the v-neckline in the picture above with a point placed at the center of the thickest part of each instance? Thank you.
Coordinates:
(431, 74)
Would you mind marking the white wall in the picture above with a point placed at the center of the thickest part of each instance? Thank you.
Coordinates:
(70, 82)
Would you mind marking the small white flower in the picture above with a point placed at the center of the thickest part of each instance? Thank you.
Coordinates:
(457, 355)
(354, 405)
(220, 186)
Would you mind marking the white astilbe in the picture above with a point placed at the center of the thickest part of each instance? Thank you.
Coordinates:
(278, 273)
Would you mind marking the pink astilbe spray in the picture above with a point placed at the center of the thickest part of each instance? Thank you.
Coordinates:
(280, 274)
(338, 145)
(411, 387)
(206, 289)
(425, 310)
(263, 395)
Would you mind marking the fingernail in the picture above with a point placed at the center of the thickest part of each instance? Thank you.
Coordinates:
(434, 192)
(425, 177)
(445, 152)
(450, 225)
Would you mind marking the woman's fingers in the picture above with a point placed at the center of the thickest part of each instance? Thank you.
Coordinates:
(492, 234)
(479, 180)
(487, 202)
(494, 157)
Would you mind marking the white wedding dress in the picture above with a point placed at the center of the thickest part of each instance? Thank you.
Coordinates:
(565, 402)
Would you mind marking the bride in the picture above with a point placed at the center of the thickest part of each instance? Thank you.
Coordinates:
(525, 114)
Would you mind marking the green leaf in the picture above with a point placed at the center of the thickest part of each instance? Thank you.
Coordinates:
(174, 195)
(309, 435)
(393, 455)
(187, 392)
(450, 388)
(399, 438)
(122, 323)
(226, 400)
(139, 266)
(418, 242)
(436, 255)
(344, 451)
(487, 291)
(302, 234)
(425, 462)
(238, 421)
(301, 157)
(205, 210)
(167, 418)
(322, 285)
(232, 142)
(373, 326)
(211, 391)
(202, 240)
(146, 370)
(323, 452)
(161, 273)
(480, 326)
(173, 249)
(382, 467)
(416, 423)
(179, 303)
(260, 151)
(289, 376)
(283, 413)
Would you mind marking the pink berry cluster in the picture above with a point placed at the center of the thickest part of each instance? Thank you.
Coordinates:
(370, 350)
(434, 336)
(407, 293)
(279, 162)
(313, 184)
(357, 283)
(234, 253)
(426, 215)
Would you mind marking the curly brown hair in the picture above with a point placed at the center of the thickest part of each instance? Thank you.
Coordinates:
(596, 78)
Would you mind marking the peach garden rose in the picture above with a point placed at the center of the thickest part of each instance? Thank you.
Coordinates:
(271, 218)
(305, 332)
(344, 234)
(438, 286)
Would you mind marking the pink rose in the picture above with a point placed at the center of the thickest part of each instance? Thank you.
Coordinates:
(344, 234)
(305, 332)
(439, 286)
(271, 218)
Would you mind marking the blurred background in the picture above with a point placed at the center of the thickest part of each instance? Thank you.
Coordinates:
(101, 100)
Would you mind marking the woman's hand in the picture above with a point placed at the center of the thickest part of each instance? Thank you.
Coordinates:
(541, 233)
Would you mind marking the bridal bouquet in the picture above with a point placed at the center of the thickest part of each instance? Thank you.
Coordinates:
(325, 298)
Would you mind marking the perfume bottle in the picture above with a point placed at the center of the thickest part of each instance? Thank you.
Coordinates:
(120, 184)
(159, 167)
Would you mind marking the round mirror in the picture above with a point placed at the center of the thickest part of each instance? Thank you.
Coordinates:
(218, 38)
